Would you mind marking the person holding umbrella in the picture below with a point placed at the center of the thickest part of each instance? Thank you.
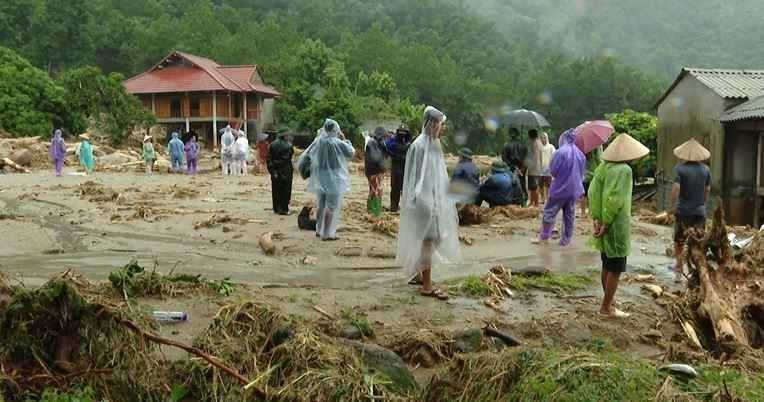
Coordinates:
(567, 167)
(610, 207)
(534, 166)
(398, 146)
(692, 184)
(590, 135)
(514, 154)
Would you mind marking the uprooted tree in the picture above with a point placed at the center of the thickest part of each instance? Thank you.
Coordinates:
(728, 294)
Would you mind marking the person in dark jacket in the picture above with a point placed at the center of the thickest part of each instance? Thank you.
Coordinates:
(500, 188)
(279, 161)
(515, 155)
(374, 167)
(465, 171)
(397, 147)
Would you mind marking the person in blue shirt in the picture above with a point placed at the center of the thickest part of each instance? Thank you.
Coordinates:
(176, 149)
(465, 171)
(500, 188)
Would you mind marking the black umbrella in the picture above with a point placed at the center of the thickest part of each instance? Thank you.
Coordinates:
(523, 117)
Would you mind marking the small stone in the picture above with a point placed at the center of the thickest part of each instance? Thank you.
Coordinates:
(468, 340)
(226, 229)
(653, 334)
(351, 332)
(424, 358)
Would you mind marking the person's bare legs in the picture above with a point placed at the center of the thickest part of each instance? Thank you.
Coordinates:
(427, 280)
(535, 198)
(610, 287)
(584, 203)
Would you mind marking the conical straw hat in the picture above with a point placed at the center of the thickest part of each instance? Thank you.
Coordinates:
(84, 136)
(147, 137)
(692, 151)
(623, 149)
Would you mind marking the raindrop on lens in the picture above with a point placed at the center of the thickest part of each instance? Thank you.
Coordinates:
(490, 124)
(460, 138)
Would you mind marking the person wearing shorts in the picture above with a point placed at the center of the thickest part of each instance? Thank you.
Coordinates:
(610, 207)
(534, 167)
(692, 184)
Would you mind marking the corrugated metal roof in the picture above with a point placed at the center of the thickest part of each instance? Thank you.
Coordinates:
(752, 109)
(729, 84)
(198, 74)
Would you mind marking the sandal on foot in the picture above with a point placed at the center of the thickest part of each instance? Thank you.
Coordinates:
(331, 239)
(540, 242)
(436, 293)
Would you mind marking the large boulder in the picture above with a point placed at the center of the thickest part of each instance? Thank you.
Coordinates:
(23, 157)
(6, 149)
(106, 149)
(377, 358)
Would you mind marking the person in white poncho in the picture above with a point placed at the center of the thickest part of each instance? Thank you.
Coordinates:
(427, 232)
(329, 176)
(241, 152)
(226, 150)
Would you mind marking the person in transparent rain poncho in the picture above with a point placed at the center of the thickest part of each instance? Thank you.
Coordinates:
(226, 150)
(427, 232)
(241, 152)
(567, 167)
(175, 148)
(329, 178)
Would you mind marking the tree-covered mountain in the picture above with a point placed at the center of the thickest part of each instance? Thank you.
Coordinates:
(656, 35)
(355, 59)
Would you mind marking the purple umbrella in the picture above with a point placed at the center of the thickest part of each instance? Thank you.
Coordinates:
(592, 134)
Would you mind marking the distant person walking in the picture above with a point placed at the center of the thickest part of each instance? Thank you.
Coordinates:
(534, 167)
(192, 154)
(226, 150)
(176, 147)
(149, 155)
(57, 153)
(567, 168)
(515, 154)
(610, 207)
(374, 168)
(547, 150)
(689, 193)
(398, 146)
(428, 228)
(85, 153)
(329, 177)
(279, 161)
(241, 153)
(262, 150)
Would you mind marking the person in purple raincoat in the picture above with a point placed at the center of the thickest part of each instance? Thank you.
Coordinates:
(567, 168)
(57, 152)
(192, 153)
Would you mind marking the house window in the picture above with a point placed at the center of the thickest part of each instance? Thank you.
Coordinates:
(175, 108)
(194, 107)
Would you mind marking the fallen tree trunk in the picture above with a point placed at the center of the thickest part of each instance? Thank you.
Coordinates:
(14, 165)
(729, 293)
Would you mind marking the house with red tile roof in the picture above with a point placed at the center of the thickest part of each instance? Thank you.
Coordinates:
(192, 93)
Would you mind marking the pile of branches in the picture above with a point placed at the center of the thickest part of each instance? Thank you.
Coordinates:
(64, 334)
(385, 224)
(216, 220)
(662, 218)
(95, 192)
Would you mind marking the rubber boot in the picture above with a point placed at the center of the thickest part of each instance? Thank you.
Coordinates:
(376, 206)
(370, 205)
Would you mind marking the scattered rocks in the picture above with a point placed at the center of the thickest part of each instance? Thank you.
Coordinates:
(653, 334)
(351, 332)
(424, 358)
(380, 359)
(468, 340)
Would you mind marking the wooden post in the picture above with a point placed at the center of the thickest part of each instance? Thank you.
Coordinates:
(244, 111)
(230, 107)
(188, 125)
(214, 120)
(153, 105)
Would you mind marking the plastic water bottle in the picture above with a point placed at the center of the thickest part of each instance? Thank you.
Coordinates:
(169, 316)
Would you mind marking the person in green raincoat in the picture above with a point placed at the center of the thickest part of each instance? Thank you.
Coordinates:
(610, 207)
(86, 153)
(148, 154)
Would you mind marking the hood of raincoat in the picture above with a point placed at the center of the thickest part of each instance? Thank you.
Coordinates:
(174, 135)
(427, 208)
(567, 166)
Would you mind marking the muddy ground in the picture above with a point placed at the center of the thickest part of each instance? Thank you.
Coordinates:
(97, 223)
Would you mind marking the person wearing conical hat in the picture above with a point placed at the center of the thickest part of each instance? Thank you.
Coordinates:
(374, 167)
(610, 208)
(85, 153)
(692, 184)
(149, 155)
(262, 150)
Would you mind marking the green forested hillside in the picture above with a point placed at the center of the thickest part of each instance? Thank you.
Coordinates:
(354, 59)
(656, 35)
